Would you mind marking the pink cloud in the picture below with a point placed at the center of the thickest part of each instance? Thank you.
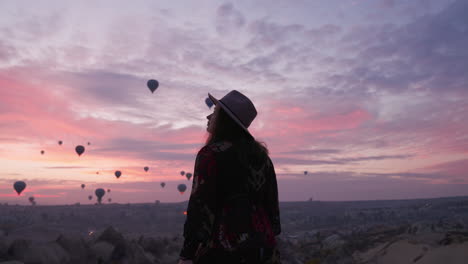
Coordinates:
(292, 125)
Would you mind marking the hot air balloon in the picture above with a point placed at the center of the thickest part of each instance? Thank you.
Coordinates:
(152, 85)
(181, 187)
(305, 172)
(97, 172)
(89, 143)
(79, 150)
(208, 102)
(99, 194)
(60, 142)
(82, 186)
(188, 175)
(19, 186)
(182, 173)
(42, 152)
(146, 169)
(90, 197)
(108, 190)
(117, 174)
(109, 200)
(163, 184)
(31, 199)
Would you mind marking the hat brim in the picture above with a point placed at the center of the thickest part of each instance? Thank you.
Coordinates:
(228, 111)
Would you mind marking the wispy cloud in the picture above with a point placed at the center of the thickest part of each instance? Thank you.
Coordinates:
(335, 90)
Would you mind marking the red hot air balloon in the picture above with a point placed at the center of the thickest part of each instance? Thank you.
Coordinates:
(42, 152)
(152, 85)
(19, 186)
(182, 187)
(118, 174)
(108, 190)
(79, 150)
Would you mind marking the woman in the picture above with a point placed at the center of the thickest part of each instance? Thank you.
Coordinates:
(233, 213)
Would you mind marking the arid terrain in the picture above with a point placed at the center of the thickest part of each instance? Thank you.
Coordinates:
(401, 231)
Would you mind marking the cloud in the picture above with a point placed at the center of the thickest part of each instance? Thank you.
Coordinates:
(353, 93)
(65, 167)
(381, 157)
(7, 52)
(286, 161)
(311, 152)
(348, 185)
(150, 150)
(427, 53)
(335, 161)
(228, 19)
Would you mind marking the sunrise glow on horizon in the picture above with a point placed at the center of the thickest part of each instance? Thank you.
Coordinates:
(369, 97)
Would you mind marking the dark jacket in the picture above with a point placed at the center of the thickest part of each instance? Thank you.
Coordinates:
(232, 207)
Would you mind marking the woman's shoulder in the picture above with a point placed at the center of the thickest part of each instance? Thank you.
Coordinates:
(216, 147)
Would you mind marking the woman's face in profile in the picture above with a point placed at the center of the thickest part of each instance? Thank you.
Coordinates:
(212, 119)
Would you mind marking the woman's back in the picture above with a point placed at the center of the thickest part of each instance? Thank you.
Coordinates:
(248, 201)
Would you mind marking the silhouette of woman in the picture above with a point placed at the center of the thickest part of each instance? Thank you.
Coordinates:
(233, 214)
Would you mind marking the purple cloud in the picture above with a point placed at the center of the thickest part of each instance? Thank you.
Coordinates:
(228, 19)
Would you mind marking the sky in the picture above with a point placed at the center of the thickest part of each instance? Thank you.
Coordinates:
(370, 97)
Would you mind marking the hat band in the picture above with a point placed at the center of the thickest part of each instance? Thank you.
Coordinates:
(232, 112)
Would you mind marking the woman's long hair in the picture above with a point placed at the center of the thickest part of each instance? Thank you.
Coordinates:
(248, 149)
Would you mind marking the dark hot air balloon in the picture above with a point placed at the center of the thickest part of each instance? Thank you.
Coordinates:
(163, 184)
(146, 169)
(42, 152)
(31, 199)
(79, 150)
(89, 143)
(182, 173)
(305, 172)
(181, 187)
(60, 142)
(108, 190)
(109, 200)
(208, 102)
(19, 186)
(99, 194)
(152, 85)
(188, 175)
(82, 186)
(117, 174)
(90, 197)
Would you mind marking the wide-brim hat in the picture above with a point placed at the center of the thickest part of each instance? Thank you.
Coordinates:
(239, 107)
